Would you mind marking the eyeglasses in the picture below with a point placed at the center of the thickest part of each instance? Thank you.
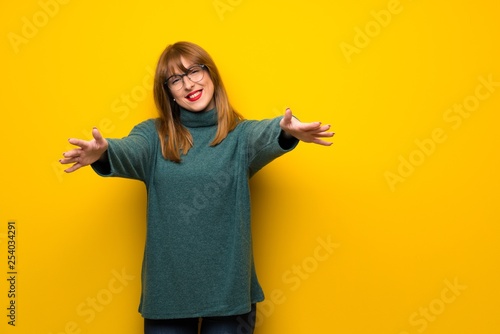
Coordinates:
(194, 73)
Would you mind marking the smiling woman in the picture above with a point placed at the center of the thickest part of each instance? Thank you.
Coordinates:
(175, 68)
(196, 76)
(196, 160)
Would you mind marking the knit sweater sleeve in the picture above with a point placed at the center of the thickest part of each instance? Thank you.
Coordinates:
(266, 142)
(129, 157)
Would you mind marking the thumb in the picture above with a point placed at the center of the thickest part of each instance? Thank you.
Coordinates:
(287, 119)
(97, 136)
(100, 141)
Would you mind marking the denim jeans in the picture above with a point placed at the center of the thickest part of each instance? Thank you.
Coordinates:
(237, 324)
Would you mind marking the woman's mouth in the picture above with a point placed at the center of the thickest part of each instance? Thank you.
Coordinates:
(194, 96)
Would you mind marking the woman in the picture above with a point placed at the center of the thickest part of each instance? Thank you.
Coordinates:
(195, 161)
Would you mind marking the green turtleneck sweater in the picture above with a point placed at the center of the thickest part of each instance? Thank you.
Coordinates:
(198, 257)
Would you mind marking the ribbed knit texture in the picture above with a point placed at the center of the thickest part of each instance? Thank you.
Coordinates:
(198, 257)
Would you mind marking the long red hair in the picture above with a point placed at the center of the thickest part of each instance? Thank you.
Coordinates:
(174, 137)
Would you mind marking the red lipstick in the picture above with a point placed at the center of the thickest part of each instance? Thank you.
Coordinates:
(194, 96)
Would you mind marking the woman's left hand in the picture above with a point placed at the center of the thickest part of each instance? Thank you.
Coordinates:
(306, 132)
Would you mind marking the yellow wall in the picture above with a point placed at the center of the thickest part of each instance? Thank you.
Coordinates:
(393, 230)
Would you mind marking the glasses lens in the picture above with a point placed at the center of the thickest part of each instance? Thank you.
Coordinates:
(175, 82)
(195, 73)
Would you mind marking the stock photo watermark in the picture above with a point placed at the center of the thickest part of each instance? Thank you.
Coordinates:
(201, 197)
(454, 118)
(224, 6)
(121, 108)
(364, 35)
(425, 315)
(88, 309)
(31, 26)
(218, 181)
(295, 276)
(12, 272)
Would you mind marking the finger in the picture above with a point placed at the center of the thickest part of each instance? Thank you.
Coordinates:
(308, 127)
(78, 142)
(67, 161)
(321, 129)
(321, 142)
(324, 128)
(73, 168)
(71, 160)
(97, 136)
(73, 153)
(324, 134)
(287, 118)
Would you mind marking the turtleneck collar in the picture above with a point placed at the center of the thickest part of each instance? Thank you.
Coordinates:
(198, 119)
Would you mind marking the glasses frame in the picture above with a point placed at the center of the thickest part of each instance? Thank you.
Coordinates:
(186, 74)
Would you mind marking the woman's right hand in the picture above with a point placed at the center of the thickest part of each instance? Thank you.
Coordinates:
(87, 153)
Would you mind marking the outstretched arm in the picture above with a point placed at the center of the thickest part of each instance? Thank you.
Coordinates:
(306, 132)
(87, 153)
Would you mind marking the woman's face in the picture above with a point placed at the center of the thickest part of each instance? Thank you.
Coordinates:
(194, 96)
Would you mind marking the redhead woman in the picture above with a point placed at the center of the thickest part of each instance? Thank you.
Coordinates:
(196, 159)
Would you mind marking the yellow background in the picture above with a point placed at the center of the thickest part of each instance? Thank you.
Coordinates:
(399, 245)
